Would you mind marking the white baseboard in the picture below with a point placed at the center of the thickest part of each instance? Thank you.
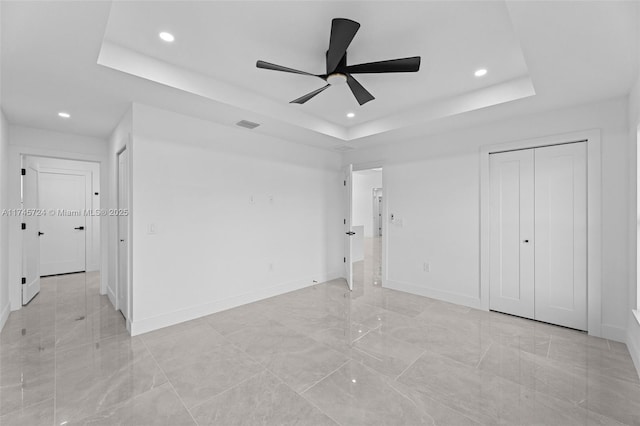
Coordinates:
(4, 315)
(112, 296)
(634, 351)
(459, 299)
(613, 332)
(193, 312)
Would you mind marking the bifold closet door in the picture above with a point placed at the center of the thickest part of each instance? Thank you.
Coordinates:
(511, 233)
(561, 235)
(538, 234)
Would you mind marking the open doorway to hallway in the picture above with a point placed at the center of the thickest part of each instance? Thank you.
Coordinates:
(368, 225)
(63, 294)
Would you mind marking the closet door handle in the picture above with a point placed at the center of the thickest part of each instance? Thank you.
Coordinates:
(525, 241)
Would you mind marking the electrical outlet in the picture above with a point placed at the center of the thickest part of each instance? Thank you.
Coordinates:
(426, 267)
(270, 199)
(271, 267)
(252, 200)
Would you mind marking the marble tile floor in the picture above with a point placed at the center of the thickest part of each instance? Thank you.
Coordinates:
(321, 355)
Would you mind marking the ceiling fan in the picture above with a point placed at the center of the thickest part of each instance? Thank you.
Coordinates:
(338, 72)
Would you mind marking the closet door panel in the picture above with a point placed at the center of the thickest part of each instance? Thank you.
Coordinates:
(511, 233)
(560, 235)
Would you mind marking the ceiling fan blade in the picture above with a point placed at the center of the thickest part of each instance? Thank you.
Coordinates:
(274, 67)
(342, 32)
(393, 65)
(361, 94)
(305, 98)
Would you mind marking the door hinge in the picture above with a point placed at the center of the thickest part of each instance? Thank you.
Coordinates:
(345, 183)
(23, 172)
(344, 221)
(23, 226)
(24, 280)
(344, 260)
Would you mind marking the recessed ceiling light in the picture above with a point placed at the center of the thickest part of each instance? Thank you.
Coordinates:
(168, 37)
(350, 115)
(64, 115)
(480, 72)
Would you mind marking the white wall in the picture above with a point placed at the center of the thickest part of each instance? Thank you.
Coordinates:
(45, 143)
(633, 325)
(363, 184)
(5, 305)
(195, 180)
(432, 187)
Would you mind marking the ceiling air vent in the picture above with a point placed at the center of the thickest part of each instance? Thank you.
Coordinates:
(247, 124)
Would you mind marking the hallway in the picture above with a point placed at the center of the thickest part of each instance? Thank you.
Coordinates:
(42, 342)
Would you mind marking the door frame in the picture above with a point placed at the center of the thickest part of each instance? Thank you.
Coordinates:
(377, 207)
(357, 167)
(594, 216)
(16, 152)
(128, 307)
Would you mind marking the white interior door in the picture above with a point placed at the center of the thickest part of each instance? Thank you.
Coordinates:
(348, 250)
(511, 270)
(30, 243)
(561, 235)
(63, 243)
(122, 290)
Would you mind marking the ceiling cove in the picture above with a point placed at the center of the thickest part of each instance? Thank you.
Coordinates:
(215, 46)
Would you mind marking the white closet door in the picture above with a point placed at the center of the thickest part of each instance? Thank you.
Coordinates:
(561, 235)
(511, 233)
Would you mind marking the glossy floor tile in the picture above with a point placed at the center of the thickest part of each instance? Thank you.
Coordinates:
(322, 355)
(261, 399)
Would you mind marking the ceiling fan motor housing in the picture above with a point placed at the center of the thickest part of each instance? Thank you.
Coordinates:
(336, 79)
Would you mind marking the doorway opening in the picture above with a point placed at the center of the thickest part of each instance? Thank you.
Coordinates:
(367, 221)
(122, 288)
(637, 301)
(61, 258)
